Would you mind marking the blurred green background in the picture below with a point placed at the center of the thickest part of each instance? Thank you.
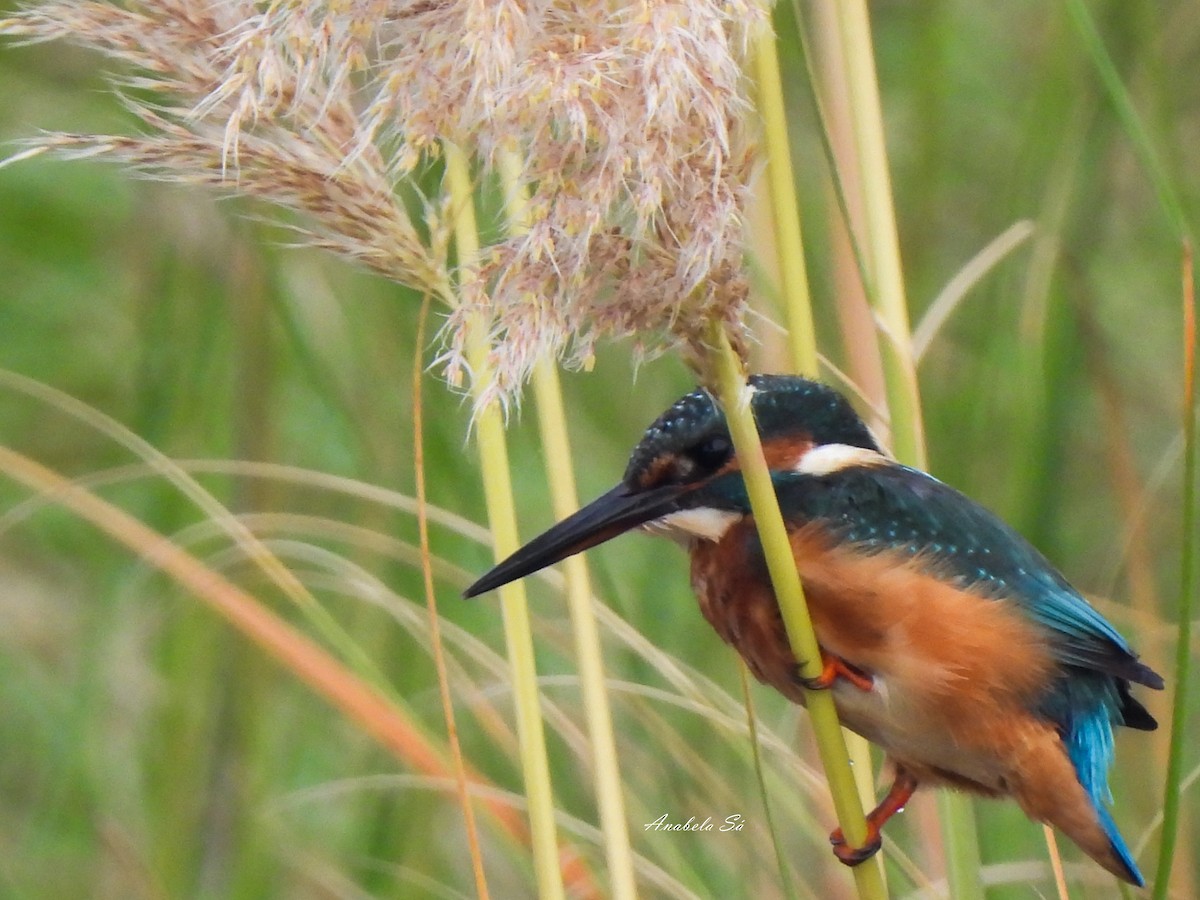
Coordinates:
(147, 751)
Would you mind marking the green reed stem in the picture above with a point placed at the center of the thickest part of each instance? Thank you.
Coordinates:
(588, 654)
(1180, 742)
(502, 518)
(789, 239)
(881, 246)
(1172, 207)
(735, 401)
(797, 298)
(881, 242)
(564, 498)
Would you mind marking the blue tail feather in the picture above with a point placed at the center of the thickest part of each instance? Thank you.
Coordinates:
(1089, 743)
(1119, 847)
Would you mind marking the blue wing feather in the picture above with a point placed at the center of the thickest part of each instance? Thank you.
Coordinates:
(896, 508)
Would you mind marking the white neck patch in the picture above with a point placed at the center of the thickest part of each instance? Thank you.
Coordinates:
(830, 458)
(703, 523)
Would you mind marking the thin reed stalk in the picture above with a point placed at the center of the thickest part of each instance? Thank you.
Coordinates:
(785, 878)
(1118, 94)
(382, 718)
(435, 621)
(502, 517)
(610, 798)
(880, 245)
(797, 296)
(1172, 208)
(880, 240)
(1056, 863)
(1187, 590)
(735, 401)
(827, 93)
(785, 213)
(564, 499)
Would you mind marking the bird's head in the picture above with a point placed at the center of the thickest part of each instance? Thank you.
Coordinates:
(683, 477)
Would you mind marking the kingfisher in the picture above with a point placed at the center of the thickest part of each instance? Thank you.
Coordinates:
(946, 638)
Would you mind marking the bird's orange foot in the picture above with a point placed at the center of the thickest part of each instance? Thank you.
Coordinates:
(902, 789)
(853, 856)
(833, 668)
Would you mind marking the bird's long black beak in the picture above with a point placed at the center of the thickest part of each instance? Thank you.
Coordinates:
(607, 516)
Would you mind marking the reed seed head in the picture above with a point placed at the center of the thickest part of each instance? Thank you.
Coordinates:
(628, 122)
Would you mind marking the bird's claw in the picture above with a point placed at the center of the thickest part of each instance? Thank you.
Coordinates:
(853, 856)
(899, 793)
(833, 668)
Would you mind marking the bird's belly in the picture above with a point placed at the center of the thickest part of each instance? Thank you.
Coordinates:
(920, 742)
(951, 668)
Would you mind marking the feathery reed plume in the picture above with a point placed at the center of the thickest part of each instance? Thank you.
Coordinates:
(630, 121)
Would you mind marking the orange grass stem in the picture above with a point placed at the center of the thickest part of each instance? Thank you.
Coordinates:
(361, 704)
(435, 622)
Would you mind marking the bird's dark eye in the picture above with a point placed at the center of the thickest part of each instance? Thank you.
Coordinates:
(711, 453)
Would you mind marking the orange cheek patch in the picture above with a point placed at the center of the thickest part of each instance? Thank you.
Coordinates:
(660, 470)
(784, 454)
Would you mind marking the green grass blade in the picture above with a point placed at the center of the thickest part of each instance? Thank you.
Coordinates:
(1151, 162)
(1187, 588)
(785, 877)
(502, 516)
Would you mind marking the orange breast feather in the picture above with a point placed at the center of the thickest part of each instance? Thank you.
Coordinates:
(955, 672)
